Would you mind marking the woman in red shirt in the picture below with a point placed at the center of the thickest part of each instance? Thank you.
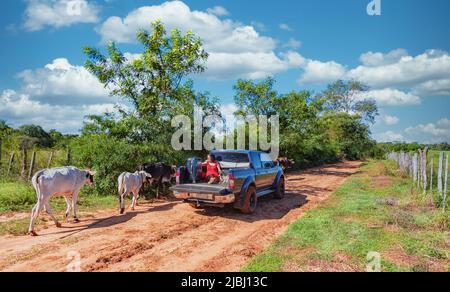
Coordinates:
(213, 170)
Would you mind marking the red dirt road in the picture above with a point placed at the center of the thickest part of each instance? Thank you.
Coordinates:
(171, 236)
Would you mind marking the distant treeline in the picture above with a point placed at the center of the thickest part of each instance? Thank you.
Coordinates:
(314, 128)
(412, 147)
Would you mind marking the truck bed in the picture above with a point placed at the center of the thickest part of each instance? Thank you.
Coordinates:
(201, 188)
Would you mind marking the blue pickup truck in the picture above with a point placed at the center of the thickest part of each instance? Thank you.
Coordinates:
(247, 176)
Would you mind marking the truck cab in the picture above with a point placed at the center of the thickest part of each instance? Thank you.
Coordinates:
(247, 176)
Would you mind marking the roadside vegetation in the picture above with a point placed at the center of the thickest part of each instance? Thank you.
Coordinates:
(157, 86)
(377, 210)
(315, 128)
(19, 198)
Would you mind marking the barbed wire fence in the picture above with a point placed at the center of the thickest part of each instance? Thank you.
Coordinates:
(16, 164)
(420, 167)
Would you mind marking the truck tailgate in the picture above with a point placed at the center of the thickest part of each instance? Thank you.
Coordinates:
(201, 188)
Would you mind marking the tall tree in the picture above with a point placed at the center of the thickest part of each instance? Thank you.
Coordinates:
(255, 98)
(155, 82)
(4, 129)
(348, 97)
(41, 137)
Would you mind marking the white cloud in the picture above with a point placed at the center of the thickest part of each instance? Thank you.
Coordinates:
(259, 25)
(19, 108)
(389, 75)
(389, 136)
(372, 59)
(251, 65)
(285, 26)
(317, 72)
(444, 123)
(423, 133)
(430, 133)
(218, 35)
(63, 83)
(59, 13)
(392, 97)
(404, 70)
(236, 50)
(439, 87)
(218, 10)
(293, 44)
(390, 120)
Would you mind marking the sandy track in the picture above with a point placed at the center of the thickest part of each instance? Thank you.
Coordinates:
(170, 236)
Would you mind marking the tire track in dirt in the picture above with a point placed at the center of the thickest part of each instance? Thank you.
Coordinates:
(171, 236)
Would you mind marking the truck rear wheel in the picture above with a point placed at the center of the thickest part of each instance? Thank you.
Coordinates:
(251, 201)
(281, 189)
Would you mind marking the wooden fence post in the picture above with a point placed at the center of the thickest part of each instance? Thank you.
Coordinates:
(441, 156)
(419, 169)
(50, 160)
(445, 184)
(431, 175)
(68, 157)
(11, 161)
(23, 173)
(415, 167)
(33, 161)
(424, 169)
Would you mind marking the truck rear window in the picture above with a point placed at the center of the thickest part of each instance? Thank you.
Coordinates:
(232, 160)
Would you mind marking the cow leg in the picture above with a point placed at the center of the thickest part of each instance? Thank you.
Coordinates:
(74, 207)
(69, 207)
(135, 198)
(122, 201)
(34, 215)
(157, 190)
(49, 211)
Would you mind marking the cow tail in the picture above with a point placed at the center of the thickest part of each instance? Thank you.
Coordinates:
(121, 178)
(35, 183)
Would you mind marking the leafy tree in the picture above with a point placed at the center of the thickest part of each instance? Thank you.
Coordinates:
(156, 83)
(42, 138)
(346, 97)
(5, 130)
(352, 136)
(255, 98)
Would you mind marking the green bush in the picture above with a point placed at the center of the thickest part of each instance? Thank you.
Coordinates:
(110, 156)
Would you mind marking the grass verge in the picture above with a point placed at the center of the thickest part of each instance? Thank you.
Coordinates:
(19, 197)
(374, 211)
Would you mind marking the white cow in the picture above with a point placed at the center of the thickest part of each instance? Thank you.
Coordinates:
(131, 183)
(66, 182)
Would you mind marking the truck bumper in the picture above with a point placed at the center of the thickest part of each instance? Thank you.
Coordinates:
(206, 198)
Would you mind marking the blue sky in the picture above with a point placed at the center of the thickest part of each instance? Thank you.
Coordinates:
(402, 54)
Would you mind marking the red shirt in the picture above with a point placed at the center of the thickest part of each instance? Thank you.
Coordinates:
(212, 170)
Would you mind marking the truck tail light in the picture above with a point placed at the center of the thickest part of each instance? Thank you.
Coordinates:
(178, 177)
(231, 181)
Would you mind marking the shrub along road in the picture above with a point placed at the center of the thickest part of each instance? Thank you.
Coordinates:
(376, 210)
(171, 236)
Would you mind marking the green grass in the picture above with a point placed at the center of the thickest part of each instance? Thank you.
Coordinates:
(20, 197)
(356, 220)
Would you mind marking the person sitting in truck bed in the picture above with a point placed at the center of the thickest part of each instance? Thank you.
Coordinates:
(213, 170)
